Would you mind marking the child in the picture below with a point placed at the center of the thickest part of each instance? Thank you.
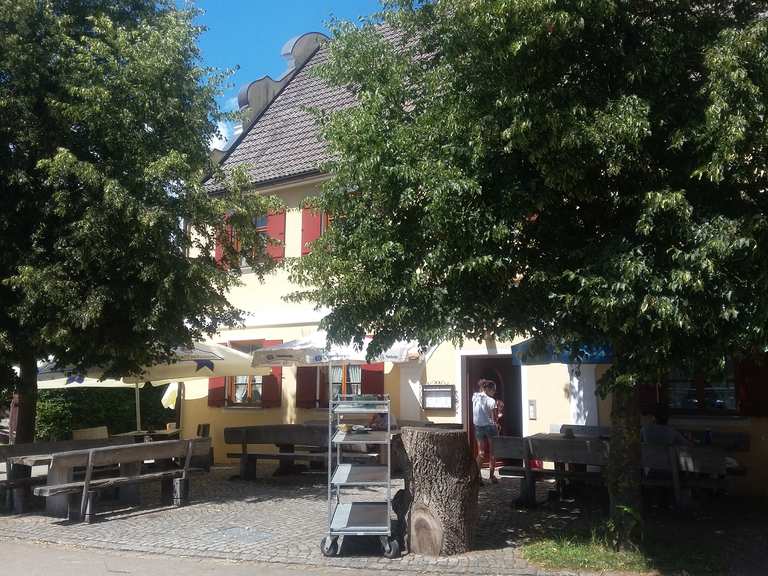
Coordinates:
(484, 419)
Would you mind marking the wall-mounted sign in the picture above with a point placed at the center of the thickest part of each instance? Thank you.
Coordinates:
(438, 396)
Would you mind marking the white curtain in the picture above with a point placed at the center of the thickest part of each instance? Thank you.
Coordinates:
(355, 374)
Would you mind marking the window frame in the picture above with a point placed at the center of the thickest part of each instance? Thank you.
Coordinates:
(230, 382)
(699, 384)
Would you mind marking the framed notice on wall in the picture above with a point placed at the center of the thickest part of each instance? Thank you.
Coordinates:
(438, 397)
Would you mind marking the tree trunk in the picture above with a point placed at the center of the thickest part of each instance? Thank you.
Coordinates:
(27, 396)
(441, 487)
(624, 465)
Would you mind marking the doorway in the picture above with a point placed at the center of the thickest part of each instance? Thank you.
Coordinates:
(506, 374)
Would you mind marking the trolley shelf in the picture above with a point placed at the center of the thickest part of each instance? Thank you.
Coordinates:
(353, 475)
(361, 517)
(374, 437)
(345, 516)
(358, 408)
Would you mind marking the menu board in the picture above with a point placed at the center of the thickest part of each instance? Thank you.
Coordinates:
(438, 397)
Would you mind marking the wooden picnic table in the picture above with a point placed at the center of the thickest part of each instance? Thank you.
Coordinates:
(57, 505)
(154, 436)
(308, 442)
(38, 454)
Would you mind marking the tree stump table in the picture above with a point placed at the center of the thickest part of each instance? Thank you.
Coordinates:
(438, 508)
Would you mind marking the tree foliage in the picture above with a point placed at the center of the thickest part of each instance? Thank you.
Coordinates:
(577, 171)
(107, 114)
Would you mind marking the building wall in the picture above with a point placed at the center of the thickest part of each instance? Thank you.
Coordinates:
(549, 385)
(195, 410)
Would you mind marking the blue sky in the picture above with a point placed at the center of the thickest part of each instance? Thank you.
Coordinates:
(250, 34)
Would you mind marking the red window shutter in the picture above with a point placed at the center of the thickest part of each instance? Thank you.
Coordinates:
(323, 400)
(311, 228)
(373, 379)
(276, 231)
(272, 384)
(218, 252)
(306, 386)
(217, 391)
(649, 398)
(752, 387)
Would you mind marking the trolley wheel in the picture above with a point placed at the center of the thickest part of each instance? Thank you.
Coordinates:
(391, 547)
(329, 545)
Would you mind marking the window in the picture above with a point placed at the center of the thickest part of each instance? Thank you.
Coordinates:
(245, 390)
(354, 380)
(260, 223)
(260, 391)
(695, 394)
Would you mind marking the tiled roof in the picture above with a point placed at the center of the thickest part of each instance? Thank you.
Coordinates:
(284, 142)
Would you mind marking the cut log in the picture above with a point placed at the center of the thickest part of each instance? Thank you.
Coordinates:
(442, 483)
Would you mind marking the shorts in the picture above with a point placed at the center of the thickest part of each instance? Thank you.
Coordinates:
(483, 432)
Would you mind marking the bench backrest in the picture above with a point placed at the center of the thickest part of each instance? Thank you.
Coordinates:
(701, 459)
(295, 434)
(508, 447)
(729, 441)
(591, 451)
(656, 457)
(31, 448)
(127, 454)
(583, 430)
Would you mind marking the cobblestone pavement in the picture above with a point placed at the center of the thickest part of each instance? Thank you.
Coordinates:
(276, 520)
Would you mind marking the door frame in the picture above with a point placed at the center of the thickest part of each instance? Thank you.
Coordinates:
(461, 376)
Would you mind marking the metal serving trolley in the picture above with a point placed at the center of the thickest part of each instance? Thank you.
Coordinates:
(352, 517)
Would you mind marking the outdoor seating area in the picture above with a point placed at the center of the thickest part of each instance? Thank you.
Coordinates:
(282, 520)
(294, 443)
(579, 455)
(89, 467)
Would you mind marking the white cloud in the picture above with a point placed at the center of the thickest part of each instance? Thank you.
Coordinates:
(226, 131)
(230, 104)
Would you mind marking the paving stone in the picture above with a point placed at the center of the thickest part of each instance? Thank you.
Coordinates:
(275, 520)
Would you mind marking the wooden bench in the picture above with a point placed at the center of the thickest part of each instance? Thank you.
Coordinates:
(294, 442)
(129, 458)
(307, 443)
(572, 458)
(684, 468)
(583, 430)
(680, 468)
(18, 480)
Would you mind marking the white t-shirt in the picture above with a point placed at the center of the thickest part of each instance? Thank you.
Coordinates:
(482, 409)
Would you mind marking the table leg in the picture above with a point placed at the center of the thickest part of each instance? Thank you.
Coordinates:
(285, 466)
(58, 505)
(528, 490)
(129, 493)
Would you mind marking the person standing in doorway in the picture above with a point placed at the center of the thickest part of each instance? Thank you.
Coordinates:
(484, 419)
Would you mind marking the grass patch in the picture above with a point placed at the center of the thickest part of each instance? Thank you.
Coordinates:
(590, 552)
(582, 554)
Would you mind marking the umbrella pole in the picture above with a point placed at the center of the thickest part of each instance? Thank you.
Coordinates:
(138, 407)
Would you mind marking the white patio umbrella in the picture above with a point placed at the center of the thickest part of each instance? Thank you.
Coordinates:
(202, 360)
(314, 350)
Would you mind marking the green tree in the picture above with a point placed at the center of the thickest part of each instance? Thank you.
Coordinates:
(580, 172)
(107, 114)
